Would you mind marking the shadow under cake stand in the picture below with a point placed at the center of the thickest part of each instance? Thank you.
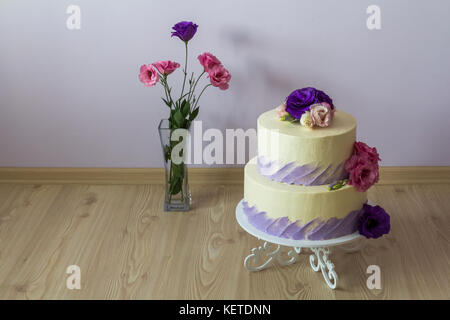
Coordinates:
(263, 256)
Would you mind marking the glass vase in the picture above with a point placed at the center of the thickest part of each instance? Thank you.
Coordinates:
(173, 144)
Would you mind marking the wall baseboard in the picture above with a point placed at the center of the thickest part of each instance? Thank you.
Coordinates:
(52, 175)
(414, 175)
(57, 175)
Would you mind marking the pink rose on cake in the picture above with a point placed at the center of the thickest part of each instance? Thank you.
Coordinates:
(321, 114)
(281, 111)
(363, 166)
(362, 149)
(363, 173)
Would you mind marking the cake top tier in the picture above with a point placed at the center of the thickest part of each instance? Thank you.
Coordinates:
(322, 148)
(342, 123)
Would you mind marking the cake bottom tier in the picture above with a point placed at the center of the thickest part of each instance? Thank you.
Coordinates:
(300, 212)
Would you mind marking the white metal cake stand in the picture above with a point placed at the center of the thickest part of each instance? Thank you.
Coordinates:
(263, 256)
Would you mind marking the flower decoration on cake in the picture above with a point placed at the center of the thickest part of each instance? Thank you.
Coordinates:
(306, 120)
(281, 112)
(362, 166)
(374, 222)
(310, 106)
(321, 114)
(337, 185)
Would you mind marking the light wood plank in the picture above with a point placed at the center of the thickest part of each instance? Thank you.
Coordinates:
(128, 248)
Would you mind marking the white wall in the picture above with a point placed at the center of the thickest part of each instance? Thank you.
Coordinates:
(72, 98)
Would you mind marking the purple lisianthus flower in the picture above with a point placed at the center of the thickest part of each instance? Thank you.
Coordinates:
(374, 222)
(323, 97)
(299, 101)
(184, 30)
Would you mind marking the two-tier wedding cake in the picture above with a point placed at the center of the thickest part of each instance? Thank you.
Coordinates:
(310, 177)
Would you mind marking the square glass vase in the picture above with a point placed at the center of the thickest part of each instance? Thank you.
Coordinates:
(173, 144)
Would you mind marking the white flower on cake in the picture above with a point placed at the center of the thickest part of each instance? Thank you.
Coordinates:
(306, 120)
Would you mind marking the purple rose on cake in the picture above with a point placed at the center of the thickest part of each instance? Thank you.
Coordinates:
(374, 222)
(299, 101)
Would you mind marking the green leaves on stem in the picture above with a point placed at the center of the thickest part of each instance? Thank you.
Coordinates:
(176, 178)
(182, 115)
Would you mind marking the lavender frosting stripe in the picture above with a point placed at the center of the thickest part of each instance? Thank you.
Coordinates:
(337, 174)
(302, 180)
(278, 226)
(320, 176)
(313, 230)
(308, 174)
(283, 172)
(335, 228)
(298, 172)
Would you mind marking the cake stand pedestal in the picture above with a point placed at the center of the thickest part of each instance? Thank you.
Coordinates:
(271, 251)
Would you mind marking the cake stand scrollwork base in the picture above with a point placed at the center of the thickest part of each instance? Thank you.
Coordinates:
(264, 256)
(271, 251)
(320, 261)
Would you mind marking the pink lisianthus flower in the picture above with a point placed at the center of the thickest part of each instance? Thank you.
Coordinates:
(148, 75)
(321, 114)
(219, 77)
(363, 172)
(281, 111)
(166, 67)
(208, 61)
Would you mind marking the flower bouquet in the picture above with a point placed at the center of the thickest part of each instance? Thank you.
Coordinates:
(183, 109)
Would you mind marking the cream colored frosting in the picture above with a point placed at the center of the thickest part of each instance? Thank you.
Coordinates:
(290, 142)
(303, 203)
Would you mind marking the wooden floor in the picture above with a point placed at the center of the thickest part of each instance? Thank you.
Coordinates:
(127, 248)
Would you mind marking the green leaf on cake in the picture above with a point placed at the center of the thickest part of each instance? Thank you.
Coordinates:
(337, 185)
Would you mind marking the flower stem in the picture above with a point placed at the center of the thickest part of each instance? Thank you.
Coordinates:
(185, 67)
(195, 85)
(198, 99)
(164, 84)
